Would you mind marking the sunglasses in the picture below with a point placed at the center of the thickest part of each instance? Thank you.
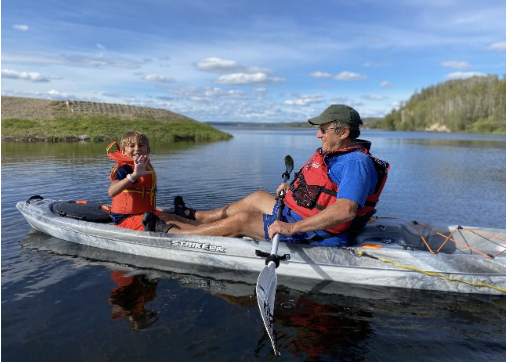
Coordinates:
(324, 130)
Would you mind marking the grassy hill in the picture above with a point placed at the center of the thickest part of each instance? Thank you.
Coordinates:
(28, 119)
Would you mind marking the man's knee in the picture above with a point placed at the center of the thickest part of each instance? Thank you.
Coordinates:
(261, 201)
(243, 217)
(248, 223)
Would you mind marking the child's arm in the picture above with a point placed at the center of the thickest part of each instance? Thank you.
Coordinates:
(118, 186)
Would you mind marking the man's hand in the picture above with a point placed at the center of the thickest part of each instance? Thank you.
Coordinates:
(283, 187)
(280, 227)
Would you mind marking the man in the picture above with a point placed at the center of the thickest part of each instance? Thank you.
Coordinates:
(340, 184)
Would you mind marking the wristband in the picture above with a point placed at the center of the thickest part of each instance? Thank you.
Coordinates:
(129, 177)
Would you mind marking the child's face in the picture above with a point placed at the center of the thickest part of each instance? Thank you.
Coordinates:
(134, 148)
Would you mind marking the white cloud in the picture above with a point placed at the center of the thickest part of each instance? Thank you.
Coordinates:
(100, 62)
(20, 27)
(386, 84)
(456, 64)
(51, 94)
(224, 66)
(371, 65)
(498, 46)
(373, 97)
(464, 75)
(349, 76)
(30, 76)
(54, 94)
(320, 75)
(206, 95)
(304, 100)
(244, 79)
(218, 65)
(341, 76)
(158, 78)
(396, 104)
(341, 100)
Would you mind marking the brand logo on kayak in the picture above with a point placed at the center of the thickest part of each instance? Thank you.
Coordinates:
(193, 245)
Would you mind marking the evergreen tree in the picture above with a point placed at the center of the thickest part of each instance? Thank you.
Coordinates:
(476, 104)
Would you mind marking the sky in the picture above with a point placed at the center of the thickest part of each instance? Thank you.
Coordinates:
(247, 61)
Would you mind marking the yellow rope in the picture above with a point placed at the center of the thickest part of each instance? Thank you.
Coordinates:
(361, 252)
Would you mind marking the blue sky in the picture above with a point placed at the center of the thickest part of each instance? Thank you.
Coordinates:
(250, 61)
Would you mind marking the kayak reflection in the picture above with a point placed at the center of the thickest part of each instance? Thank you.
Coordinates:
(325, 321)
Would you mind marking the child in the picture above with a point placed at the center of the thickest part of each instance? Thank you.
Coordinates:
(133, 186)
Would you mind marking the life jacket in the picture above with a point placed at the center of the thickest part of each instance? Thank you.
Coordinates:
(312, 190)
(138, 197)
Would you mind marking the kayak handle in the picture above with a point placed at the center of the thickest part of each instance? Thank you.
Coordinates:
(272, 257)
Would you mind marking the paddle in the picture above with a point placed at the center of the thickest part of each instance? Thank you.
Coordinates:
(267, 280)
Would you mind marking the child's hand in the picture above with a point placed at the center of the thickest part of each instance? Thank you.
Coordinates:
(140, 164)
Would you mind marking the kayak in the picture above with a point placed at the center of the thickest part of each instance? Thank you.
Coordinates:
(389, 252)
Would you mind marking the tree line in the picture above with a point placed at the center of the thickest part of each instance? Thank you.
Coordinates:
(476, 105)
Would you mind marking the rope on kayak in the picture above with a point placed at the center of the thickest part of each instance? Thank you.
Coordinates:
(433, 274)
(449, 237)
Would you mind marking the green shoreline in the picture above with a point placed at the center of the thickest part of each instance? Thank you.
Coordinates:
(103, 128)
(40, 120)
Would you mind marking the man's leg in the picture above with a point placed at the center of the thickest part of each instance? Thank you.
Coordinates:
(260, 202)
(240, 223)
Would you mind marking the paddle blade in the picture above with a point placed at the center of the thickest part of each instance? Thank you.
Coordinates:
(266, 293)
(289, 164)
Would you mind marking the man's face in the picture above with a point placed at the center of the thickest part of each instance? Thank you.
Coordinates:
(331, 138)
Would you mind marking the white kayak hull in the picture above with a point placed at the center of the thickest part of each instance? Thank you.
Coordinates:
(394, 264)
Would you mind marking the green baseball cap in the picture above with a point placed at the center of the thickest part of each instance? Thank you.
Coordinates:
(338, 112)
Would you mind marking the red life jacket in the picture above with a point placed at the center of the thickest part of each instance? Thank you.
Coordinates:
(138, 197)
(312, 190)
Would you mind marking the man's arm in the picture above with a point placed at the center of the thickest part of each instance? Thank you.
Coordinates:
(341, 211)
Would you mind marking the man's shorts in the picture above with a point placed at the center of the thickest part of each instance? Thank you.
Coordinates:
(318, 237)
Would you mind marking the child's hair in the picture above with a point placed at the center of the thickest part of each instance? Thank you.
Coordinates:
(134, 136)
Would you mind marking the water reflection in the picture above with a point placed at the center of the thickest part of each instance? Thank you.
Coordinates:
(26, 152)
(346, 323)
(317, 328)
(308, 326)
(129, 298)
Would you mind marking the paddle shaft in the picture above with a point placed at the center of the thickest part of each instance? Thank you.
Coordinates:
(267, 280)
(281, 204)
(275, 240)
(286, 177)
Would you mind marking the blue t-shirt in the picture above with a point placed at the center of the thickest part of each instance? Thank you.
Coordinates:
(356, 177)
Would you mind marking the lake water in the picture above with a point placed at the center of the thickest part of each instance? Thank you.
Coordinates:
(62, 302)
